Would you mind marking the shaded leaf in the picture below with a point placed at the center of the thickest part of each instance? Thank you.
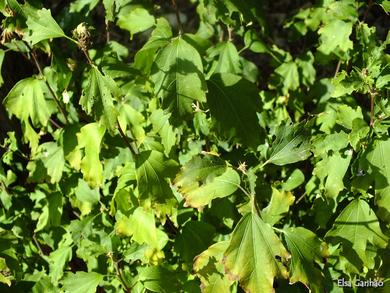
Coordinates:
(305, 248)
(233, 103)
(356, 227)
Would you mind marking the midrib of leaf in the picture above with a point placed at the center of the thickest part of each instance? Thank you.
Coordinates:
(231, 107)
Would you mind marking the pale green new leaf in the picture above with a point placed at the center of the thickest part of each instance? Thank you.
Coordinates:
(152, 170)
(78, 5)
(27, 99)
(89, 138)
(177, 73)
(278, 206)
(98, 97)
(210, 270)
(233, 103)
(135, 20)
(305, 248)
(43, 27)
(251, 256)
(291, 145)
(82, 282)
(203, 179)
(356, 227)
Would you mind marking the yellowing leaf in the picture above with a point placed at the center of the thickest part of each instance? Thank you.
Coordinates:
(203, 179)
(251, 255)
(209, 268)
(278, 206)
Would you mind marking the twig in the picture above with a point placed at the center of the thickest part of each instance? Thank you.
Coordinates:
(131, 147)
(179, 23)
(87, 56)
(369, 5)
(62, 110)
(337, 68)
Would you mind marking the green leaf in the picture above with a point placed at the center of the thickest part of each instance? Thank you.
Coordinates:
(141, 225)
(251, 255)
(235, 113)
(335, 35)
(28, 99)
(291, 145)
(305, 248)
(203, 179)
(357, 227)
(331, 171)
(177, 73)
(289, 73)
(277, 207)
(228, 59)
(87, 196)
(152, 170)
(135, 20)
(160, 37)
(89, 138)
(295, 179)
(42, 26)
(98, 97)
(129, 118)
(78, 5)
(82, 282)
(161, 125)
(158, 279)
(52, 157)
(375, 164)
(209, 268)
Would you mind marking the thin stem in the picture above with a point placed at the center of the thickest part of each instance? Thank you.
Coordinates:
(372, 104)
(56, 99)
(179, 23)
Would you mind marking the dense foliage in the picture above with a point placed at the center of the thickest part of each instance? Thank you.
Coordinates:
(188, 146)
